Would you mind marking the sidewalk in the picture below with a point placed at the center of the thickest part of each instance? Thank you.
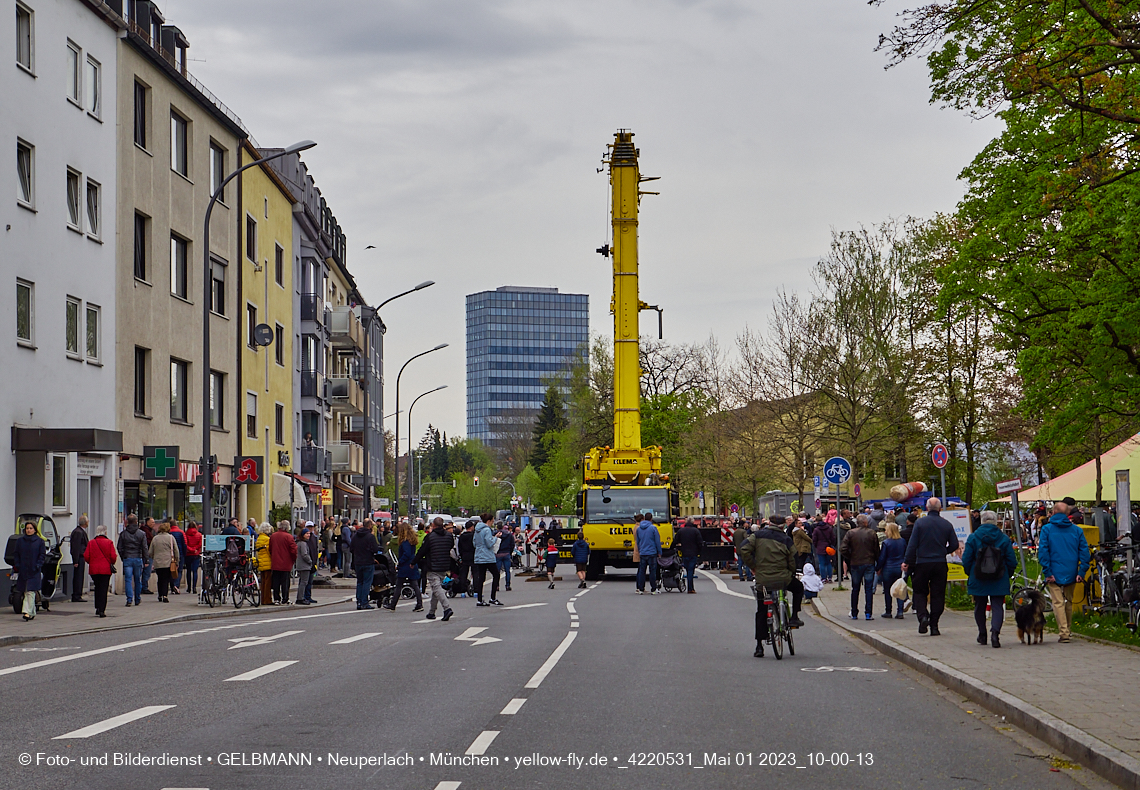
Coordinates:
(1082, 698)
(67, 619)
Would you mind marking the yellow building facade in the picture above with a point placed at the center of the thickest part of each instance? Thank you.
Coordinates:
(267, 290)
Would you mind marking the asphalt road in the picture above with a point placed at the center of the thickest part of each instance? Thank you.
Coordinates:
(647, 691)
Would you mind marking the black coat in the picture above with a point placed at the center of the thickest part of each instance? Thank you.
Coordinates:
(364, 548)
(467, 548)
(436, 551)
(31, 553)
(79, 542)
(932, 539)
(688, 541)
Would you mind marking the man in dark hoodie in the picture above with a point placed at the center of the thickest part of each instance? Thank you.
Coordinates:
(689, 542)
(933, 538)
(649, 548)
(132, 548)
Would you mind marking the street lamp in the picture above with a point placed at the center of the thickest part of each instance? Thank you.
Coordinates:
(429, 392)
(396, 471)
(207, 466)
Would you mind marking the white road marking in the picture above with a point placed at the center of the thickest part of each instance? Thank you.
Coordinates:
(574, 624)
(573, 617)
(482, 743)
(513, 707)
(544, 670)
(253, 641)
(356, 638)
(524, 605)
(722, 587)
(448, 786)
(425, 620)
(570, 607)
(253, 674)
(471, 635)
(113, 722)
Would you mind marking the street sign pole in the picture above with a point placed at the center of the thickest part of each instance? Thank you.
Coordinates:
(1017, 531)
(838, 546)
(943, 471)
(838, 470)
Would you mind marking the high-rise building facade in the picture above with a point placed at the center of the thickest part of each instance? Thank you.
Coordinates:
(519, 340)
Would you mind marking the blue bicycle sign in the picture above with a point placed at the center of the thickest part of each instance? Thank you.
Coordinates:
(837, 470)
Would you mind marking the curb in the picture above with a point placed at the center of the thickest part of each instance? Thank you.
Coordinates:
(212, 614)
(1110, 763)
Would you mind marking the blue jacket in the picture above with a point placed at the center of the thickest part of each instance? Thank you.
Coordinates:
(988, 534)
(580, 551)
(507, 543)
(1062, 550)
(648, 539)
(891, 556)
(31, 553)
(484, 544)
(406, 567)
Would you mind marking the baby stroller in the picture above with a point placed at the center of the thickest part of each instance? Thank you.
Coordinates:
(672, 572)
(383, 578)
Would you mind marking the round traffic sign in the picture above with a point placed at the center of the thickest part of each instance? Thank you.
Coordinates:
(940, 455)
(837, 470)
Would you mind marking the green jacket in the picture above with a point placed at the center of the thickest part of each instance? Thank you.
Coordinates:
(769, 554)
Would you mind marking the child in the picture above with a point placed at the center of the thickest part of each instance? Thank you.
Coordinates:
(551, 561)
(811, 581)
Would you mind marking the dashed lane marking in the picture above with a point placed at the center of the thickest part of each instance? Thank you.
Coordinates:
(513, 707)
(545, 669)
(253, 674)
(357, 638)
(448, 786)
(113, 722)
(482, 743)
(570, 607)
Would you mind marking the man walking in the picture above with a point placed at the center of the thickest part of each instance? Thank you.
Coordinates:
(933, 538)
(649, 548)
(1063, 554)
(503, 555)
(467, 554)
(133, 550)
(689, 542)
(436, 550)
(860, 548)
(282, 556)
(78, 546)
(363, 547)
(148, 563)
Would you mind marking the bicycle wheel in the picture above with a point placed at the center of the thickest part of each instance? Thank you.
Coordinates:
(788, 630)
(1019, 596)
(253, 592)
(776, 629)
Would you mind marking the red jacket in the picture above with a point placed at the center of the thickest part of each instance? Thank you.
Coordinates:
(100, 556)
(282, 551)
(193, 543)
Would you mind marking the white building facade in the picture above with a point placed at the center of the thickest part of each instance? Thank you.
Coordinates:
(58, 261)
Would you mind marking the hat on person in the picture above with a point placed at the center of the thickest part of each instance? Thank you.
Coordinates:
(1070, 501)
(309, 524)
(776, 519)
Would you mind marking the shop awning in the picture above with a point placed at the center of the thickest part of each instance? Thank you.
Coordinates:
(312, 486)
(66, 440)
(349, 488)
(281, 485)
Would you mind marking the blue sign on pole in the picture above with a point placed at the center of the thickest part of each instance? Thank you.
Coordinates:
(837, 470)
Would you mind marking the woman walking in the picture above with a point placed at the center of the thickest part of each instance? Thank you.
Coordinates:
(164, 552)
(100, 557)
(989, 560)
(193, 556)
(31, 552)
(406, 568)
(889, 566)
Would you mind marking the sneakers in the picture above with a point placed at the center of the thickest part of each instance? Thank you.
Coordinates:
(480, 603)
(854, 615)
(496, 602)
(869, 616)
(899, 616)
(759, 652)
(641, 592)
(430, 615)
(581, 585)
(446, 615)
(303, 603)
(507, 588)
(128, 603)
(908, 604)
(418, 609)
(551, 586)
(655, 592)
(796, 622)
(148, 592)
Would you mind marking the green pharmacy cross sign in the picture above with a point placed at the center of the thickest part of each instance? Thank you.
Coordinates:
(160, 462)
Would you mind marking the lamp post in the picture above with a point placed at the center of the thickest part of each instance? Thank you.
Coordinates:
(207, 465)
(429, 392)
(396, 486)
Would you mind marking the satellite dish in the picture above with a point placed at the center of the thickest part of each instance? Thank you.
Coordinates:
(263, 334)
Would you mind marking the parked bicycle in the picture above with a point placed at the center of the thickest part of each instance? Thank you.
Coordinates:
(214, 582)
(245, 586)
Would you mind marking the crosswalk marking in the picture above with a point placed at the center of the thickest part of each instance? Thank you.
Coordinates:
(481, 744)
(512, 707)
(356, 638)
(113, 722)
(265, 670)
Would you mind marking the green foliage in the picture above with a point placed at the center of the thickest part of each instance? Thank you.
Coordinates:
(551, 419)
(282, 512)
(1109, 626)
(528, 484)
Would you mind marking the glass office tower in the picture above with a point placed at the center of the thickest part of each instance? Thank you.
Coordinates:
(519, 340)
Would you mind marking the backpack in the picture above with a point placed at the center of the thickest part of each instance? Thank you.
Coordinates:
(234, 547)
(989, 564)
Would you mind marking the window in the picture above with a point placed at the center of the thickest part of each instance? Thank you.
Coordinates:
(266, 207)
(142, 228)
(251, 415)
(279, 265)
(93, 208)
(279, 424)
(25, 174)
(25, 312)
(24, 36)
(59, 483)
(217, 170)
(178, 150)
(92, 333)
(279, 344)
(251, 325)
(73, 74)
(217, 399)
(178, 284)
(71, 327)
(178, 400)
(94, 92)
(141, 95)
(73, 215)
(142, 377)
(218, 286)
(251, 238)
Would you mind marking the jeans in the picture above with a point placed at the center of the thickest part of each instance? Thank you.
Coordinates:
(481, 569)
(303, 578)
(132, 576)
(364, 584)
(862, 575)
(504, 564)
(890, 577)
(744, 571)
(192, 565)
(930, 586)
(146, 571)
(436, 581)
(997, 612)
(824, 566)
(690, 569)
(308, 586)
(647, 563)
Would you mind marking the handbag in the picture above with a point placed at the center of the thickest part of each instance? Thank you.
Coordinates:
(173, 557)
(899, 590)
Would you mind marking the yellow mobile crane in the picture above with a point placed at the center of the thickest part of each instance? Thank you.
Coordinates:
(621, 481)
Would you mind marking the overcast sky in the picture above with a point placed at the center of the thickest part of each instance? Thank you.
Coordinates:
(461, 138)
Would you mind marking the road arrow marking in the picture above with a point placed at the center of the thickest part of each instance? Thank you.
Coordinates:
(251, 641)
(470, 635)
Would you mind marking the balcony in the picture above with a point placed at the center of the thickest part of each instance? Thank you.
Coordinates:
(312, 384)
(315, 461)
(347, 457)
(312, 308)
(345, 329)
(345, 396)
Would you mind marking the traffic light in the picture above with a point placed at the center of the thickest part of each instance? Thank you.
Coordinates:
(476, 481)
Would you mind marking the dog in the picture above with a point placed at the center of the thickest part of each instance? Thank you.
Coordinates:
(1030, 618)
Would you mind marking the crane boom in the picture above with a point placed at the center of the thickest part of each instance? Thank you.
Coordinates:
(625, 176)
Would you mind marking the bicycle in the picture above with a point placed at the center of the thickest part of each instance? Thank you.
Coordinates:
(245, 586)
(779, 617)
(214, 581)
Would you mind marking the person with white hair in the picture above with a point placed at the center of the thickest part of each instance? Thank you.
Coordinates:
(989, 561)
(100, 556)
(933, 538)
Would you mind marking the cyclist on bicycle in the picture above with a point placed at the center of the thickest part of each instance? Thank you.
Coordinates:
(769, 553)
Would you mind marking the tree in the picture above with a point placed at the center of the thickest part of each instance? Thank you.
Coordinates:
(551, 419)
